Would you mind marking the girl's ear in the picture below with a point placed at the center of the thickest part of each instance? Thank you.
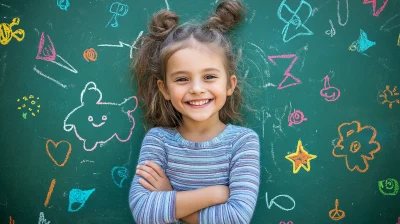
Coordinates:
(233, 83)
(163, 90)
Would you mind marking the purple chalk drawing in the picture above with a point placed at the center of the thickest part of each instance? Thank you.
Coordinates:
(287, 73)
(84, 119)
(329, 92)
(46, 52)
(297, 117)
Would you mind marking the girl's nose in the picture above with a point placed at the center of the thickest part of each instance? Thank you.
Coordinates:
(196, 88)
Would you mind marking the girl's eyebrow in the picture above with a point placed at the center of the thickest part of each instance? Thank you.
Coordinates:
(186, 72)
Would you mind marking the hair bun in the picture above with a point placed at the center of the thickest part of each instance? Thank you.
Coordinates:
(227, 15)
(162, 23)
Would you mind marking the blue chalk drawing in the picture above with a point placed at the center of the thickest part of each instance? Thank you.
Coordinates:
(117, 9)
(78, 196)
(295, 24)
(119, 174)
(362, 44)
(63, 4)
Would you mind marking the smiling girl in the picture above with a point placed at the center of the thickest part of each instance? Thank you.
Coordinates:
(194, 165)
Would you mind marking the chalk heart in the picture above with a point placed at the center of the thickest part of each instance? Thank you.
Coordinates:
(68, 152)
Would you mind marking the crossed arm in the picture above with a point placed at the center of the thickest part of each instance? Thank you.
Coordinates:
(186, 210)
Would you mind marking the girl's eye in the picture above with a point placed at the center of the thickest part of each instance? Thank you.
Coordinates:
(180, 80)
(210, 77)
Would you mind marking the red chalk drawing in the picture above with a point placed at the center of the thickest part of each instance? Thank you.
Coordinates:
(373, 2)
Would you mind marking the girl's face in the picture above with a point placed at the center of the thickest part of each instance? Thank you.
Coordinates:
(197, 76)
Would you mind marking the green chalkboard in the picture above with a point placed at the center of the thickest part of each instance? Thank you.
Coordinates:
(319, 78)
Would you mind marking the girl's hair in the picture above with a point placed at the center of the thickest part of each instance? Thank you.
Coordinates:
(165, 37)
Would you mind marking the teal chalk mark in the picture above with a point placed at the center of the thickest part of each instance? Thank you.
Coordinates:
(78, 196)
(119, 174)
(117, 9)
(362, 44)
(24, 115)
(63, 4)
(295, 24)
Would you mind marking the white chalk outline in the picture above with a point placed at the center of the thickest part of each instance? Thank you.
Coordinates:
(41, 73)
(389, 29)
(338, 14)
(71, 68)
(270, 203)
(122, 44)
(69, 127)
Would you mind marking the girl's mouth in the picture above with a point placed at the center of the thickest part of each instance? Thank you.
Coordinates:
(200, 106)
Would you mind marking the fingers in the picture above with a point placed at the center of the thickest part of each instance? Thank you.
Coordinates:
(147, 173)
(146, 185)
(156, 167)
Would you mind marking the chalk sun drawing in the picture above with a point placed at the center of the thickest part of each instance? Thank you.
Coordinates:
(362, 44)
(90, 109)
(295, 23)
(47, 52)
(272, 202)
(117, 9)
(287, 73)
(119, 175)
(78, 196)
(373, 2)
(390, 96)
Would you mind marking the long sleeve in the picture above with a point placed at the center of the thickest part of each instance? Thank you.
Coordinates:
(149, 207)
(244, 184)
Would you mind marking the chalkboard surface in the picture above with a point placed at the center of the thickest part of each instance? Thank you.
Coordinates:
(320, 78)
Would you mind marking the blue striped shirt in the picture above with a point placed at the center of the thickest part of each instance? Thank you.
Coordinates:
(232, 159)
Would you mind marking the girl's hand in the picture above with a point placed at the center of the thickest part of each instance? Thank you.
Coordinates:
(155, 176)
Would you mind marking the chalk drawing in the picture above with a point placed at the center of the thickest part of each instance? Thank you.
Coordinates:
(117, 9)
(336, 214)
(90, 54)
(373, 2)
(70, 121)
(272, 202)
(392, 22)
(48, 77)
(332, 31)
(289, 222)
(389, 187)
(78, 196)
(68, 152)
(390, 96)
(47, 52)
(122, 44)
(287, 73)
(63, 4)
(300, 158)
(338, 12)
(356, 146)
(362, 44)
(29, 104)
(7, 33)
(294, 24)
(42, 220)
(119, 175)
(328, 92)
(50, 192)
(166, 3)
(297, 117)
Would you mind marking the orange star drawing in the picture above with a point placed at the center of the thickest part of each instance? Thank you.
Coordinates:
(300, 158)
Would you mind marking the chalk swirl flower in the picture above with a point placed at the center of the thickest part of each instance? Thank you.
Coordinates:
(357, 145)
(296, 117)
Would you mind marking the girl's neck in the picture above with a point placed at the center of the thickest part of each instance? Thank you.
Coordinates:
(203, 132)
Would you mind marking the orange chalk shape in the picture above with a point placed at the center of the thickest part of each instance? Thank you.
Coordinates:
(390, 96)
(56, 145)
(336, 214)
(300, 158)
(12, 221)
(50, 192)
(361, 144)
(90, 54)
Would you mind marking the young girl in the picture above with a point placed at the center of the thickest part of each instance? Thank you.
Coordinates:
(194, 165)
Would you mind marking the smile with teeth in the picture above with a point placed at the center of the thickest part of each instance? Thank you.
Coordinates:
(199, 103)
